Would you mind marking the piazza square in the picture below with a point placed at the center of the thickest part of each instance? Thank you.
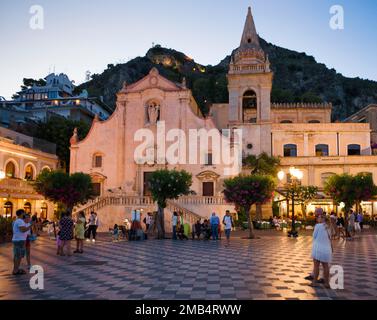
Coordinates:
(272, 267)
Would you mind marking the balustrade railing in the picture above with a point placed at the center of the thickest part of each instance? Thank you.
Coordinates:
(135, 201)
(188, 216)
(16, 185)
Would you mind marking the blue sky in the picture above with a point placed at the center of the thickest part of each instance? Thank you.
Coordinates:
(89, 34)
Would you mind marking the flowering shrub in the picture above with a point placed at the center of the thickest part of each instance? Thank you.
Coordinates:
(65, 189)
(245, 191)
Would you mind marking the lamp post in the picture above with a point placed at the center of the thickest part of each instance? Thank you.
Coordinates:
(291, 190)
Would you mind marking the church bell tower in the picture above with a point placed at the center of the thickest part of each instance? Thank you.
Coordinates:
(249, 80)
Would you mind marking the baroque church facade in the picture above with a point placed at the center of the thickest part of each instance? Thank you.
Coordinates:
(301, 134)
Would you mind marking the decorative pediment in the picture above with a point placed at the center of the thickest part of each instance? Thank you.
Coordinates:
(96, 176)
(152, 80)
(208, 175)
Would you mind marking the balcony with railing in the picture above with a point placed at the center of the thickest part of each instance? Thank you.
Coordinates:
(16, 186)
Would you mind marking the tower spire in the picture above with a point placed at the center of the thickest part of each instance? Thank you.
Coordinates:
(249, 37)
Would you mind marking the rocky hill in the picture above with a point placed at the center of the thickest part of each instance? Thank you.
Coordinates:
(298, 78)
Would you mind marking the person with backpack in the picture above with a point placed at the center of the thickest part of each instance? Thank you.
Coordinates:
(228, 223)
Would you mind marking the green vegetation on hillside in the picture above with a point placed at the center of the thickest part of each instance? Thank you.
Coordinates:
(297, 78)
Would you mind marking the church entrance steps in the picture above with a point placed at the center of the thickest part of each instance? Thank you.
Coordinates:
(114, 209)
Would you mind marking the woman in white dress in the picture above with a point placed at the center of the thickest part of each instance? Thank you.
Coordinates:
(322, 250)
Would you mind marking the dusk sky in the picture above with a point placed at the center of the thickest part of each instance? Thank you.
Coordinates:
(89, 34)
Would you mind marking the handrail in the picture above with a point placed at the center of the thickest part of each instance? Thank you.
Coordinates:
(189, 216)
(172, 205)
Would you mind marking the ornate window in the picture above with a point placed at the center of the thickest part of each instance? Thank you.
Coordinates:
(290, 150)
(29, 172)
(326, 176)
(322, 150)
(209, 160)
(354, 150)
(97, 161)
(10, 170)
(8, 209)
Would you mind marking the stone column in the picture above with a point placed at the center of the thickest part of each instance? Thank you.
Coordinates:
(2, 161)
(306, 145)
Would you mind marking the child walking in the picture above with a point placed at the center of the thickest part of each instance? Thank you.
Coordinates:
(116, 233)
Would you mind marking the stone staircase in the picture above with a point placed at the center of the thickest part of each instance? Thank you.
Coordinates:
(111, 203)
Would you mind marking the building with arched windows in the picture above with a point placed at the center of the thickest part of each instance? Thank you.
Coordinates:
(22, 158)
(300, 133)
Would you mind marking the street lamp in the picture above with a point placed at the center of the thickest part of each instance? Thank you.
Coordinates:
(291, 189)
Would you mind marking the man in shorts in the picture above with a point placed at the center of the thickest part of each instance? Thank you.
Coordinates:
(20, 232)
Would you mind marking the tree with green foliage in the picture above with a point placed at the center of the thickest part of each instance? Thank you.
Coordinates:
(164, 185)
(350, 190)
(246, 191)
(305, 195)
(29, 82)
(365, 189)
(64, 189)
(264, 165)
(59, 130)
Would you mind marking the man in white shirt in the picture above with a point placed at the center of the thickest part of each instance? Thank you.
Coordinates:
(93, 226)
(20, 232)
(228, 222)
(148, 221)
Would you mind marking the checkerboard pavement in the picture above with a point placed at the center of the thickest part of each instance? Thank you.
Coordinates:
(271, 267)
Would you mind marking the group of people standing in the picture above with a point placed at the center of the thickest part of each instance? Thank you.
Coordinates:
(355, 223)
(78, 229)
(209, 228)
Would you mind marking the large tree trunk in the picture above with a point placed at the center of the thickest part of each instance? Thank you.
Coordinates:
(258, 212)
(346, 222)
(160, 223)
(249, 223)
